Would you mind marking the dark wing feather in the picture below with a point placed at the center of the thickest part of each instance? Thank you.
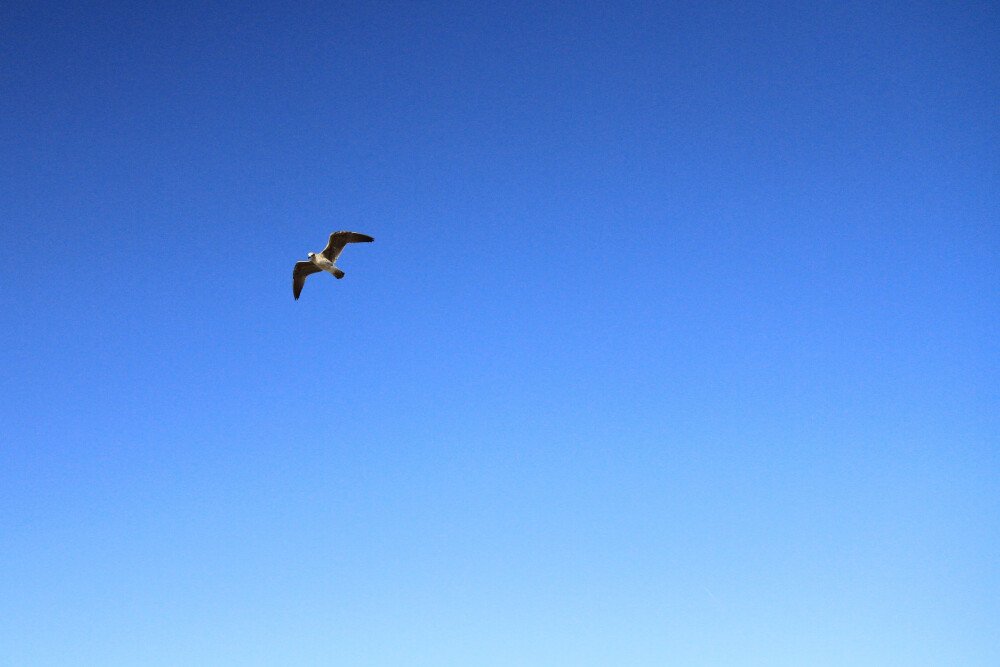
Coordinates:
(299, 274)
(339, 239)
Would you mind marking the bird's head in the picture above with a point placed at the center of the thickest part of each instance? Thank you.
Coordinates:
(310, 255)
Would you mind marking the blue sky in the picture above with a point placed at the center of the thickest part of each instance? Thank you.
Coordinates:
(677, 343)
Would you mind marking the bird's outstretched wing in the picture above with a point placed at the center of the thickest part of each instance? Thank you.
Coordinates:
(299, 274)
(339, 239)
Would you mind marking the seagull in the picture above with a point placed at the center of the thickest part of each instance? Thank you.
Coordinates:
(324, 261)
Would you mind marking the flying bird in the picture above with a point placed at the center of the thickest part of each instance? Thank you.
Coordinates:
(324, 261)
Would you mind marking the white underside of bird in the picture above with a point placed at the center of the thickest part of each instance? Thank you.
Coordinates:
(325, 264)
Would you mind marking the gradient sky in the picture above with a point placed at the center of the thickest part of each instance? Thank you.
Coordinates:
(677, 343)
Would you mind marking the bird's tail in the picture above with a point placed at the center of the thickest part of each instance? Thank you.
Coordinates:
(338, 273)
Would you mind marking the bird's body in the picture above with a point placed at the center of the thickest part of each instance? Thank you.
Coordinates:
(325, 261)
(325, 265)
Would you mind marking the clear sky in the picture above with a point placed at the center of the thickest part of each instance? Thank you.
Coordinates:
(678, 343)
